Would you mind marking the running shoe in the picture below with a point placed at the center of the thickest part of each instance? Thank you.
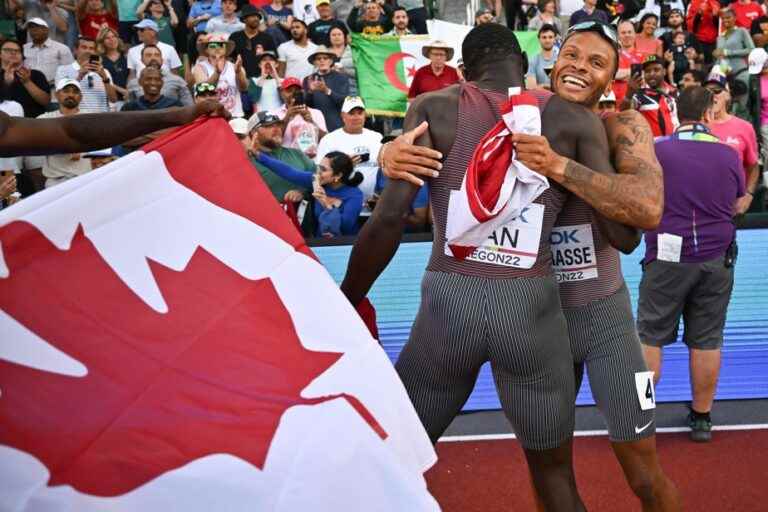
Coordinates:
(701, 429)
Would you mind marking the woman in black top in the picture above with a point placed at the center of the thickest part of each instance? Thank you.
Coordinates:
(112, 50)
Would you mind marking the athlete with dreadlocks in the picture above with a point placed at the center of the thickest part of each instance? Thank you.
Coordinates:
(473, 311)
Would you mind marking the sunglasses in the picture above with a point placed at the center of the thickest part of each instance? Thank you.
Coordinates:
(205, 88)
(595, 26)
(215, 45)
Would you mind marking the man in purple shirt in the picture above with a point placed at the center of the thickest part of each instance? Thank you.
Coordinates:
(688, 264)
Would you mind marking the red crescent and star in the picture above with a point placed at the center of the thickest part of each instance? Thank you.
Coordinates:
(390, 70)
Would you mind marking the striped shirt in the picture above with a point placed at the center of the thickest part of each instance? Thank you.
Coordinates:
(94, 93)
(478, 113)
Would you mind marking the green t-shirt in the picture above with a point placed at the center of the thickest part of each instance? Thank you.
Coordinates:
(166, 33)
(126, 10)
(277, 185)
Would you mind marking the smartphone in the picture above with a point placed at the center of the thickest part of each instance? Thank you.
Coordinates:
(94, 59)
(298, 98)
(364, 157)
(636, 69)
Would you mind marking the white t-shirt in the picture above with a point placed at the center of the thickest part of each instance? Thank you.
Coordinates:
(171, 58)
(218, 25)
(11, 163)
(59, 167)
(270, 96)
(305, 10)
(295, 58)
(355, 144)
(226, 89)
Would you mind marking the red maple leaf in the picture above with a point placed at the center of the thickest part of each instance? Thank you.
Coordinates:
(213, 375)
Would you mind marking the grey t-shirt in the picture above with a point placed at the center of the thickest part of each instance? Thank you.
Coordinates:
(537, 65)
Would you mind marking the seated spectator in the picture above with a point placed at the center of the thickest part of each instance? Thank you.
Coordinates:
(746, 12)
(540, 66)
(484, 15)
(318, 29)
(733, 47)
(152, 97)
(174, 87)
(55, 17)
(278, 18)
(41, 52)
(702, 21)
(417, 15)
(95, 81)
(646, 42)
(360, 143)
(204, 92)
(264, 90)
(399, 23)
(27, 87)
(58, 168)
(656, 100)
(675, 24)
(375, 19)
(736, 133)
(200, 12)
(692, 78)
(547, 15)
(337, 200)
(759, 31)
(339, 45)
(217, 70)
(305, 10)
(628, 58)
(304, 126)
(164, 16)
(326, 88)
(266, 132)
(437, 74)
(113, 58)
(758, 97)
(240, 129)
(227, 22)
(251, 41)
(589, 12)
(92, 16)
(293, 55)
(147, 30)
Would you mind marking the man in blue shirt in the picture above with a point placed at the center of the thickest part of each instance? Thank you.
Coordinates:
(200, 12)
(689, 258)
(589, 12)
(151, 82)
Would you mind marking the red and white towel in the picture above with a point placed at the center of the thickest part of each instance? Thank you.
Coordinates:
(496, 186)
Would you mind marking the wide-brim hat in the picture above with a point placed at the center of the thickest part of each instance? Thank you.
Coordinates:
(437, 45)
(216, 38)
(322, 50)
(250, 10)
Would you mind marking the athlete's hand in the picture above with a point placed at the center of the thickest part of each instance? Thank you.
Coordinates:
(742, 204)
(534, 152)
(402, 160)
(211, 108)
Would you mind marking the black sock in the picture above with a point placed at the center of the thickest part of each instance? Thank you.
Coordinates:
(700, 415)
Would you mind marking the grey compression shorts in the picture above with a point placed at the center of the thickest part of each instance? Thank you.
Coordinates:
(603, 337)
(517, 325)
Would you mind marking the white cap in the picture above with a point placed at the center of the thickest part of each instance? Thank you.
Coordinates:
(239, 126)
(36, 21)
(757, 59)
(610, 97)
(352, 102)
(64, 82)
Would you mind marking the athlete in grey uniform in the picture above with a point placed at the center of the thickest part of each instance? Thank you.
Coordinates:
(475, 310)
(592, 290)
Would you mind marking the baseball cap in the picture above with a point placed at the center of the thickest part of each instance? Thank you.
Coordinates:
(290, 82)
(323, 2)
(239, 126)
(717, 78)
(65, 82)
(608, 98)
(36, 21)
(483, 10)
(652, 59)
(757, 59)
(352, 102)
(147, 23)
(262, 118)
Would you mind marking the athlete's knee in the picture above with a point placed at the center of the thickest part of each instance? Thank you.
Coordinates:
(643, 484)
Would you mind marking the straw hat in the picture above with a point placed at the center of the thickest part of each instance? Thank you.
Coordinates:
(322, 50)
(216, 38)
(437, 45)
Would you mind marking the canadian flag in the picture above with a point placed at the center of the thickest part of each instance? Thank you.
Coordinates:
(168, 342)
(496, 187)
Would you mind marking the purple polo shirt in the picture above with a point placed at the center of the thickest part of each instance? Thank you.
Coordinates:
(702, 179)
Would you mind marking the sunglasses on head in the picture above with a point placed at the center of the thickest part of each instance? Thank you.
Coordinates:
(595, 26)
(204, 89)
(215, 45)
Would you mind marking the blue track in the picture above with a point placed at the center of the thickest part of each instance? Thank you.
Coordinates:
(745, 353)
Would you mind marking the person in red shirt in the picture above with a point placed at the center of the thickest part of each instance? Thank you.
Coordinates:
(655, 101)
(628, 56)
(92, 16)
(746, 11)
(437, 74)
(702, 21)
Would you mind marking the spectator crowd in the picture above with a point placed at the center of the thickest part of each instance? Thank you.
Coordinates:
(286, 73)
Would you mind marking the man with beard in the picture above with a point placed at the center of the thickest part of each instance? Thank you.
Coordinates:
(656, 100)
(251, 41)
(293, 56)
(174, 87)
(594, 296)
(472, 310)
(675, 23)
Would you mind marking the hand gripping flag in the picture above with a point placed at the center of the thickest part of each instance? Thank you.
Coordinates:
(496, 187)
(168, 342)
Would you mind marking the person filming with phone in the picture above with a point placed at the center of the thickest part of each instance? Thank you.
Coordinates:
(326, 88)
(304, 126)
(95, 81)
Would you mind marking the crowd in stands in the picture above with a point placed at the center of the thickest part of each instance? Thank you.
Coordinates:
(285, 72)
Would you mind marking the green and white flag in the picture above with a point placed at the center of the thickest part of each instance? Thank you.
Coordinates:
(386, 65)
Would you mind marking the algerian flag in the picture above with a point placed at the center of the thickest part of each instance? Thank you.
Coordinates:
(386, 65)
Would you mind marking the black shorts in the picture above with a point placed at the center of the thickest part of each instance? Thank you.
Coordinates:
(699, 292)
